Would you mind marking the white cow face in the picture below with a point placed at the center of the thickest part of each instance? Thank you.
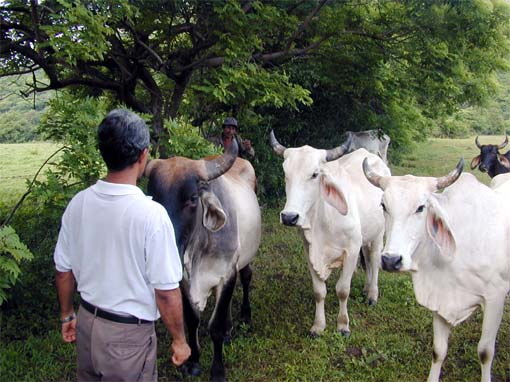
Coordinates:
(405, 204)
(305, 182)
(413, 217)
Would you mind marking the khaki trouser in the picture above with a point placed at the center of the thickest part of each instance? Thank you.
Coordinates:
(111, 351)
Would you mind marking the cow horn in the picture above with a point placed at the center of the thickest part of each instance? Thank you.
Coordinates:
(371, 176)
(337, 152)
(221, 164)
(478, 143)
(504, 143)
(447, 180)
(277, 147)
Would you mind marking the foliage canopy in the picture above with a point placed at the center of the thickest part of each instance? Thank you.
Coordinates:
(339, 65)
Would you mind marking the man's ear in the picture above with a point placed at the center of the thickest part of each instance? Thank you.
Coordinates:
(503, 160)
(439, 230)
(213, 216)
(333, 195)
(475, 162)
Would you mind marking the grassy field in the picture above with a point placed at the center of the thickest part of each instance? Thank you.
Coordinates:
(19, 163)
(389, 342)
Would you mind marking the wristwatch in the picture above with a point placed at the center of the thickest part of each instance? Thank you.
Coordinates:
(69, 318)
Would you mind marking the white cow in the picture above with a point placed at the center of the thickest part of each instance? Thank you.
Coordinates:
(457, 246)
(338, 212)
(501, 183)
(372, 140)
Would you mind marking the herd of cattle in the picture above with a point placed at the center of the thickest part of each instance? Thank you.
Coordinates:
(344, 201)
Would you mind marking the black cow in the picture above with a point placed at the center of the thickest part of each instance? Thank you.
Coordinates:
(491, 160)
(216, 218)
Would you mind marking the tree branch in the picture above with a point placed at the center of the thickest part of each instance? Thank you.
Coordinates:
(305, 23)
(212, 62)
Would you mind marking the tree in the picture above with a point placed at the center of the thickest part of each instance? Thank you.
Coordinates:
(147, 53)
(397, 66)
(370, 64)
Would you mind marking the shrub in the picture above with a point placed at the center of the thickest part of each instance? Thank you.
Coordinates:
(12, 252)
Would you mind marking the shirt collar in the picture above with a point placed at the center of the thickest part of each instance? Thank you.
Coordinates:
(108, 188)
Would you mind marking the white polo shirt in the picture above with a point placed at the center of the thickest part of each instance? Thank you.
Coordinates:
(120, 246)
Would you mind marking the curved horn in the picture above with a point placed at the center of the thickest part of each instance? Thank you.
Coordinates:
(504, 143)
(221, 164)
(277, 147)
(447, 180)
(371, 176)
(337, 152)
(478, 143)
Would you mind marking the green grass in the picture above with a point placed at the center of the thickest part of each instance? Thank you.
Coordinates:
(388, 343)
(20, 162)
(438, 156)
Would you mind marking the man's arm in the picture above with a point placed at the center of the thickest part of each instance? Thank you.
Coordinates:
(65, 289)
(170, 307)
(245, 148)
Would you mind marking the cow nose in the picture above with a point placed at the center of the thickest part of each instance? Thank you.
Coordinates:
(482, 168)
(391, 263)
(289, 218)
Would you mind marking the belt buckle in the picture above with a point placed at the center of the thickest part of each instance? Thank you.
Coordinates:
(95, 311)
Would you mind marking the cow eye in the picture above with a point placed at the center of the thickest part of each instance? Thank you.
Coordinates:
(315, 174)
(383, 207)
(420, 209)
(193, 198)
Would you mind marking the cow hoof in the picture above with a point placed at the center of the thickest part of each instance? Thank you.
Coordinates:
(313, 335)
(372, 302)
(218, 376)
(227, 339)
(191, 368)
(344, 333)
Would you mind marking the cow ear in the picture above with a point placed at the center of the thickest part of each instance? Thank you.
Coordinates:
(475, 162)
(439, 230)
(213, 216)
(333, 194)
(503, 160)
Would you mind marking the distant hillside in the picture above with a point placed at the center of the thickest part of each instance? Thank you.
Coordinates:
(19, 114)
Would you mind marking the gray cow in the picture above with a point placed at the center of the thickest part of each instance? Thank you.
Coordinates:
(372, 140)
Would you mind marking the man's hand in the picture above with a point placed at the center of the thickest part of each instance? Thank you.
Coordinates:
(247, 144)
(170, 307)
(69, 331)
(180, 352)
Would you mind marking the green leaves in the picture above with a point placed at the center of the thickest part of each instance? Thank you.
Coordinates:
(12, 252)
(78, 33)
(187, 141)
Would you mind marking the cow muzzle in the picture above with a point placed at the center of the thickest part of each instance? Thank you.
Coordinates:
(289, 218)
(391, 263)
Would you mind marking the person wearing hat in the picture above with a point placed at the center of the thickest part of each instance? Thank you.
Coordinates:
(228, 134)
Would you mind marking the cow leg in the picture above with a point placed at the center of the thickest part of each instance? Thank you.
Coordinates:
(192, 319)
(246, 275)
(492, 315)
(343, 289)
(218, 327)
(229, 326)
(319, 290)
(373, 255)
(364, 254)
(441, 333)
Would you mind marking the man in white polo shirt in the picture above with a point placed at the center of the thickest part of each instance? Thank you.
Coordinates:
(118, 247)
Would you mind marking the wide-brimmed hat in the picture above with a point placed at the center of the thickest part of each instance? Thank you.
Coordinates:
(230, 121)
